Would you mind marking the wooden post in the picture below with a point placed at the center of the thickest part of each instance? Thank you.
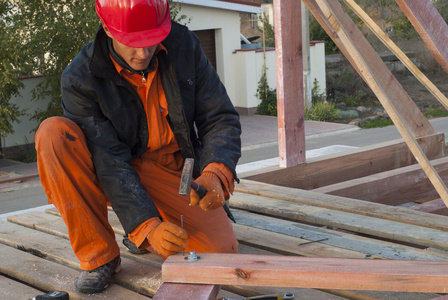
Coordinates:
(430, 25)
(289, 65)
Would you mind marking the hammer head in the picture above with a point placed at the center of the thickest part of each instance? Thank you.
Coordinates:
(185, 179)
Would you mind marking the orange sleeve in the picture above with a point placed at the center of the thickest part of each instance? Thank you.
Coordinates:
(226, 176)
(140, 233)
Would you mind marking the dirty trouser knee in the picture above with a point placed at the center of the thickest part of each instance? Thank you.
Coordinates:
(68, 177)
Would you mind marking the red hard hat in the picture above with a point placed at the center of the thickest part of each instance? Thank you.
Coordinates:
(136, 23)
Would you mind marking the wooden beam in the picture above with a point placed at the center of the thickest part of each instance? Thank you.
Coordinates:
(435, 206)
(306, 272)
(398, 52)
(338, 239)
(351, 164)
(49, 276)
(355, 47)
(392, 187)
(353, 222)
(289, 66)
(244, 190)
(430, 25)
(381, 81)
(169, 291)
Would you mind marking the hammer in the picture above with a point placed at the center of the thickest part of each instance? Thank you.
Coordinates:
(186, 182)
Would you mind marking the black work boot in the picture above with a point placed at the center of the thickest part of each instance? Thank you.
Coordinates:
(97, 280)
(132, 247)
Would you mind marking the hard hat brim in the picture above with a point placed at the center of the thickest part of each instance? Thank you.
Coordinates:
(142, 39)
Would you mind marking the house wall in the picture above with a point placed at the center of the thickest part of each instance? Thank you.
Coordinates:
(249, 65)
(317, 65)
(226, 24)
(22, 134)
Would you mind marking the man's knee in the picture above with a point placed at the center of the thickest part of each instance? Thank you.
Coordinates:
(56, 130)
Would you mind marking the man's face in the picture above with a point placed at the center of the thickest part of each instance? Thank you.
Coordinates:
(136, 58)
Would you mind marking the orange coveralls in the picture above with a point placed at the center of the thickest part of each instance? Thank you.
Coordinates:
(68, 177)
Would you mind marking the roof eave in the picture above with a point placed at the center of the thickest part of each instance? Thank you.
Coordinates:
(227, 5)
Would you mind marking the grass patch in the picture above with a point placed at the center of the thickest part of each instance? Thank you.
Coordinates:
(376, 123)
(435, 112)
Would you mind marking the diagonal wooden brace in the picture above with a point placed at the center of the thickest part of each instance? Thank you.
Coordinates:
(408, 119)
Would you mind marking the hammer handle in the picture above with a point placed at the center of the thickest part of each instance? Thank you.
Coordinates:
(199, 189)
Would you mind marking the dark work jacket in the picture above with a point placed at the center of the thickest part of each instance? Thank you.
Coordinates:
(111, 116)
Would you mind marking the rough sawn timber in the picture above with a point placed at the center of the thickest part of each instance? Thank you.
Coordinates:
(306, 272)
(430, 25)
(351, 164)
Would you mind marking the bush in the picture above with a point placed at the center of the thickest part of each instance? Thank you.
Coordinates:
(322, 111)
(268, 97)
(316, 96)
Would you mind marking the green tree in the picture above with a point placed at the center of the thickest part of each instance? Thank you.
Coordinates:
(317, 33)
(42, 37)
(269, 31)
(54, 32)
(12, 55)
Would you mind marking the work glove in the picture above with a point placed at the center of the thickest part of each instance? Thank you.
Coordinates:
(167, 239)
(215, 194)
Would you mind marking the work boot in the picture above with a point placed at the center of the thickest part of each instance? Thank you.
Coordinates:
(97, 280)
(132, 247)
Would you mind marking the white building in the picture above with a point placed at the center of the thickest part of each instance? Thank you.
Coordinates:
(217, 24)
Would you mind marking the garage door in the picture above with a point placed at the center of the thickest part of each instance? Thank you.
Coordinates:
(207, 39)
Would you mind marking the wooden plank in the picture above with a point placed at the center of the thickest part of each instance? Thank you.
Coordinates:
(12, 289)
(304, 293)
(430, 25)
(49, 276)
(136, 276)
(288, 245)
(398, 52)
(169, 291)
(351, 164)
(393, 187)
(397, 231)
(278, 241)
(289, 271)
(149, 259)
(360, 207)
(54, 225)
(343, 240)
(290, 104)
(376, 75)
(436, 206)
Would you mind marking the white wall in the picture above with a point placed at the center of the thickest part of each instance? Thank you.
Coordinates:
(317, 65)
(226, 24)
(249, 64)
(23, 100)
(249, 68)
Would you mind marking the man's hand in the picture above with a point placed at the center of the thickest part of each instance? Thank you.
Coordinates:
(167, 239)
(215, 194)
